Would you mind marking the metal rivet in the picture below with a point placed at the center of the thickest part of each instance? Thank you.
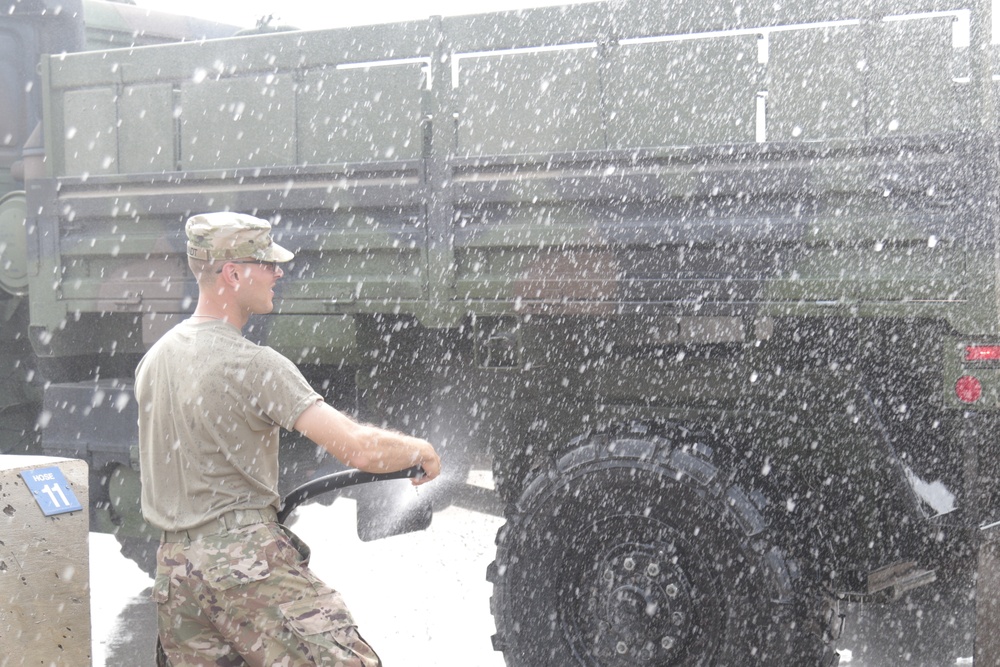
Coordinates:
(653, 569)
(677, 617)
(667, 642)
(629, 564)
(622, 648)
(671, 590)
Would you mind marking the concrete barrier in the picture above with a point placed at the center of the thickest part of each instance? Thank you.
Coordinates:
(44, 562)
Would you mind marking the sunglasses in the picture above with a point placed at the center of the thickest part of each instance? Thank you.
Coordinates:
(270, 266)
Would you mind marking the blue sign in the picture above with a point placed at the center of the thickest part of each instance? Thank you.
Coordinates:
(51, 491)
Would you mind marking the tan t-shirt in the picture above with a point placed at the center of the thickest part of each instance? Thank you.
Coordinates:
(210, 406)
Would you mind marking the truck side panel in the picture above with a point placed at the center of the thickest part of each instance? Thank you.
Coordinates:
(662, 204)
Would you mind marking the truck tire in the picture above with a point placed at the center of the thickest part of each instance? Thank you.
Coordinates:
(137, 538)
(633, 552)
(141, 551)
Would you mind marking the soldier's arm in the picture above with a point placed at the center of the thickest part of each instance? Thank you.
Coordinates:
(366, 447)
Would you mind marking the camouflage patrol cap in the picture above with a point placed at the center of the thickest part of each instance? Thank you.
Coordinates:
(227, 235)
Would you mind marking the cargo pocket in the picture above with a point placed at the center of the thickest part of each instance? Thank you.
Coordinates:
(327, 626)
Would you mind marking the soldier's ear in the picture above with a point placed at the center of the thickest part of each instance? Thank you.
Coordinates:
(230, 274)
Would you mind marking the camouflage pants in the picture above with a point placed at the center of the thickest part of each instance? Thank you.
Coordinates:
(247, 597)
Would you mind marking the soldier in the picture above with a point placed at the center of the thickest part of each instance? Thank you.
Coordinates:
(232, 585)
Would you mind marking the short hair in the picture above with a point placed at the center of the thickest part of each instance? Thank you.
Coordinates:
(203, 269)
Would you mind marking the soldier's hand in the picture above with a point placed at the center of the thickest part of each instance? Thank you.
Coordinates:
(430, 462)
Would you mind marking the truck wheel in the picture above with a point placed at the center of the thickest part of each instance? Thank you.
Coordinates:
(141, 551)
(634, 552)
(137, 538)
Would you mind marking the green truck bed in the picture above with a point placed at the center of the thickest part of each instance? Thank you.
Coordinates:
(575, 159)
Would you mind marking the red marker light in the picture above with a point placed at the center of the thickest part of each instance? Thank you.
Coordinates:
(968, 389)
(982, 353)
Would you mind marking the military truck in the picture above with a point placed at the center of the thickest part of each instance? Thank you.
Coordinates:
(713, 286)
(28, 29)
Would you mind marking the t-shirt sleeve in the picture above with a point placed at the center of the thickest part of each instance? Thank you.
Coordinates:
(282, 393)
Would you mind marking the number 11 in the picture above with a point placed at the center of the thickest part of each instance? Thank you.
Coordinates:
(52, 496)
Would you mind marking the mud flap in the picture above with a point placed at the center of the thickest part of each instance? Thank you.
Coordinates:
(987, 651)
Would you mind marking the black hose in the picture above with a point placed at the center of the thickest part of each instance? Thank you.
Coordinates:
(338, 480)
